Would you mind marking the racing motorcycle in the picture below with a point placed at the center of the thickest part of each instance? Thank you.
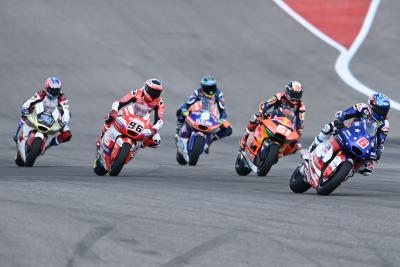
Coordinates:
(333, 161)
(122, 140)
(39, 128)
(269, 141)
(200, 125)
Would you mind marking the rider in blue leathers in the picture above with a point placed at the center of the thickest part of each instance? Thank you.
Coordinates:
(208, 90)
(376, 110)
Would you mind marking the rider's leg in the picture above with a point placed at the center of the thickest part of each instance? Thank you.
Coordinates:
(224, 131)
(20, 123)
(364, 168)
(323, 135)
(251, 126)
(105, 128)
(152, 142)
(64, 136)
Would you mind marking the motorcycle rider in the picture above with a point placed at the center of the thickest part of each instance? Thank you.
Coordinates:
(208, 91)
(145, 100)
(376, 110)
(290, 98)
(51, 96)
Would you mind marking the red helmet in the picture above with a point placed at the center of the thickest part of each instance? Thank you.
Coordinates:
(52, 87)
(152, 89)
(294, 91)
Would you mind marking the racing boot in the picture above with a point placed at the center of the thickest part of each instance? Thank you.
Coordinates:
(208, 144)
(366, 168)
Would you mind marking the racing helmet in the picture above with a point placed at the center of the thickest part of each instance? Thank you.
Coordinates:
(379, 105)
(152, 89)
(209, 85)
(294, 91)
(52, 87)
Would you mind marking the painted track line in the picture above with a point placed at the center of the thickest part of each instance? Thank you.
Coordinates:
(342, 65)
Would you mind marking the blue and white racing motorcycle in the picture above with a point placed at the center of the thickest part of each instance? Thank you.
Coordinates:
(332, 161)
(198, 130)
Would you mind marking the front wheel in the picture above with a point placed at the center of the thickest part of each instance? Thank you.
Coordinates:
(34, 152)
(120, 160)
(326, 187)
(297, 183)
(240, 167)
(196, 150)
(270, 159)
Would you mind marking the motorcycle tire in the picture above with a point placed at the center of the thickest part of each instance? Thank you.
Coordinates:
(119, 162)
(297, 183)
(327, 187)
(34, 152)
(270, 159)
(19, 161)
(240, 167)
(196, 151)
(98, 168)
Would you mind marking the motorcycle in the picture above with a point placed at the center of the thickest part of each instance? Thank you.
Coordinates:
(269, 141)
(333, 161)
(200, 126)
(122, 140)
(37, 131)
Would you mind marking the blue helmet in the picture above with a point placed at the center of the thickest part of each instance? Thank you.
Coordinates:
(379, 104)
(209, 85)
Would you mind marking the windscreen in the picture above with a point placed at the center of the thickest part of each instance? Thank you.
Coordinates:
(286, 112)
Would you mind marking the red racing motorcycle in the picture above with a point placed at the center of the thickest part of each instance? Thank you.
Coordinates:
(120, 143)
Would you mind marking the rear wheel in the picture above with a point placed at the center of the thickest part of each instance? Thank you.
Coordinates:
(19, 161)
(297, 183)
(98, 168)
(120, 160)
(240, 167)
(326, 187)
(270, 159)
(34, 152)
(196, 151)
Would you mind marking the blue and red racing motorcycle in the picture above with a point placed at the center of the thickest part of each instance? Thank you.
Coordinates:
(198, 130)
(333, 161)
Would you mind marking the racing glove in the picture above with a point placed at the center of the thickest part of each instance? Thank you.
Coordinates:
(110, 116)
(62, 123)
(185, 112)
(25, 112)
(338, 124)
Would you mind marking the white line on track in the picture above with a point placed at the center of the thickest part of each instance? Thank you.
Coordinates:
(342, 65)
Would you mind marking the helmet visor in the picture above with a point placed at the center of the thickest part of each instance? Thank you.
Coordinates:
(153, 93)
(209, 89)
(53, 91)
(295, 95)
(380, 111)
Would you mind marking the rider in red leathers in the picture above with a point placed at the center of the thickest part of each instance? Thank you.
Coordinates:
(145, 100)
(291, 99)
(51, 96)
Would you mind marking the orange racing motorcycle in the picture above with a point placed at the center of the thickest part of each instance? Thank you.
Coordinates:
(269, 141)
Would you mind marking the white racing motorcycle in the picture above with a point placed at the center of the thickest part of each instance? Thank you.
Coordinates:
(36, 133)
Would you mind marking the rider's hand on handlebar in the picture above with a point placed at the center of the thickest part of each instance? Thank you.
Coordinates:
(25, 112)
(338, 124)
(185, 112)
(110, 116)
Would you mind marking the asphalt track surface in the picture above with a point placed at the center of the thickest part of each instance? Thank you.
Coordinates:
(157, 213)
